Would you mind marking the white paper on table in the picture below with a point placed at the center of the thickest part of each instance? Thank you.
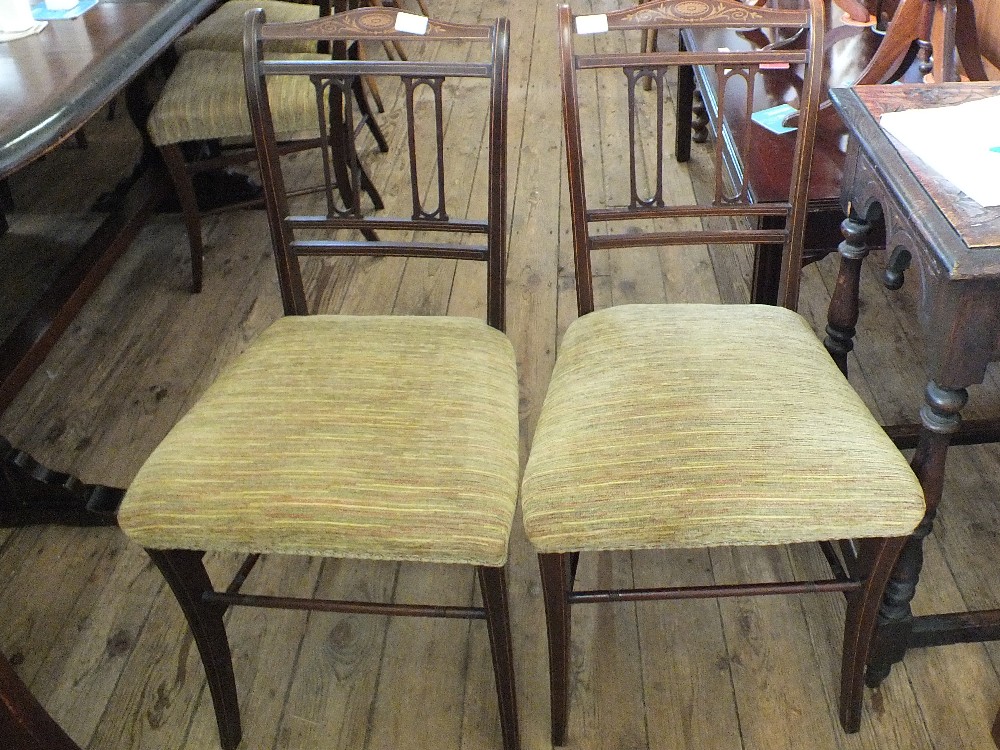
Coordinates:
(961, 142)
(15, 16)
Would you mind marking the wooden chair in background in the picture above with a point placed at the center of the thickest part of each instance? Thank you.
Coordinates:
(378, 437)
(683, 426)
(204, 102)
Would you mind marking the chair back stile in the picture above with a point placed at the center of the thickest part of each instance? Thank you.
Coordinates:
(795, 32)
(336, 123)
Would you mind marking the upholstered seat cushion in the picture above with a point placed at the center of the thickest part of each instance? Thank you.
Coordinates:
(361, 437)
(205, 98)
(684, 426)
(222, 30)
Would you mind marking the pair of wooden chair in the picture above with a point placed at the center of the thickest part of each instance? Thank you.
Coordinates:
(396, 438)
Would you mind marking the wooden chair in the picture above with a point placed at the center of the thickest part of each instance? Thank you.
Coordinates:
(204, 102)
(680, 426)
(379, 437)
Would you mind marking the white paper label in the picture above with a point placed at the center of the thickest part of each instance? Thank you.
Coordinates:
(411, 23)
(592, 24)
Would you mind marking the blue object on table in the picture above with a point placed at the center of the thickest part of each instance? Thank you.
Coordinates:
(773, 118)
(41, 12)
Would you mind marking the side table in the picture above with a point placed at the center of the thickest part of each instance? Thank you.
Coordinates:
(954, 247)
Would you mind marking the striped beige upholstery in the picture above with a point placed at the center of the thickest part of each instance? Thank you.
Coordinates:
(205, 98)
(223, 29)
(685, 426)
(361, 437)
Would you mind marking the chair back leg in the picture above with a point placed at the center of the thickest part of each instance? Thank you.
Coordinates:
(173, 157)
(185, 573)
(877, 558)
(493, 585)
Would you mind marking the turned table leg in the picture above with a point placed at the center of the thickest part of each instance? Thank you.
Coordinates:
(842, 317)
(940, 419)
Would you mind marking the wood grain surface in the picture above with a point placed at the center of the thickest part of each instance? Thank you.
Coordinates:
(89, 625)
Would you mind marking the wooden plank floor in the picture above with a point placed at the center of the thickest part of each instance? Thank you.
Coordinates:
(90, 626)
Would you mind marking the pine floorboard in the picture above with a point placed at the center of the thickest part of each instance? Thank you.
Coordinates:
(90, 626)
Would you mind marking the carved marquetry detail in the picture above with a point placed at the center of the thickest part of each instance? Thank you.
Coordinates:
(871, 201)
(371, 23)
(676, 13)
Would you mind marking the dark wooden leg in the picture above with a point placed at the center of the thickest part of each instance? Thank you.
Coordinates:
(699, 119)
(878, 556)
(842, 317)
(766, 266)
(940, 419)
(996, 730)
(31, 493)
(24, 723)
(6, 202)
(173, 157)
(186, 575)
(493, 584)
(366, 111)
(684, 111)
(555, 581)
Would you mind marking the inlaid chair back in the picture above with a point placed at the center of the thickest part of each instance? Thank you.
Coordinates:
(699, 426)
(360, 437)
(434, 216)
(591, 68)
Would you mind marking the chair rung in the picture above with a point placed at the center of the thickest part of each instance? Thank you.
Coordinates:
(656, 239)
(411, 249)
(339, 605)
(711, 592)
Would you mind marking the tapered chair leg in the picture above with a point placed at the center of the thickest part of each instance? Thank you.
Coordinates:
(185, 573)
(493, 585)
(173, 157)
(555, 570)
(878, 556)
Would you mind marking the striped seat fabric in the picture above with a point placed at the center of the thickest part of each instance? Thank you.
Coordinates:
(363, 437)
(204, 99)
(654, 435)
(223, 29)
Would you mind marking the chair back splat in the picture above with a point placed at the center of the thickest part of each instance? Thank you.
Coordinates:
(700, 426)
(432, 187)
(784, 63)
(358, 437)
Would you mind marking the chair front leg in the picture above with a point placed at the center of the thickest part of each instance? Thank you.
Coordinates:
(493, 584)
(877, 559)
(555, 570)
(185, 573)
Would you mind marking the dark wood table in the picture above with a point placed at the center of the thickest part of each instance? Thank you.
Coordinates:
(853, 55)
(954, 245)
(50, 85)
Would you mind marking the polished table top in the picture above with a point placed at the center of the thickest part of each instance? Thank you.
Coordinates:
(964, 236)
(51, 83)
